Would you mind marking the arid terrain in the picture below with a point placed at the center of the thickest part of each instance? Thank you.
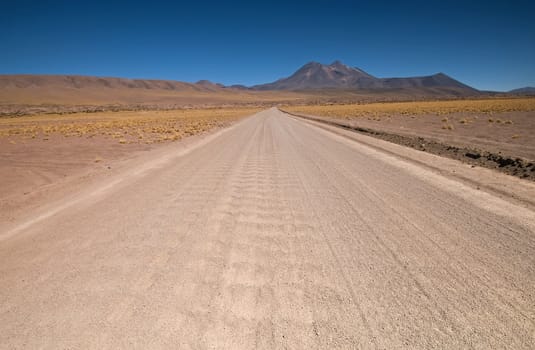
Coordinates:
(495, 127)
(269, 231)
(40, 153)
(61, 91)
(198, 175)
(356, 212)
(312, 83)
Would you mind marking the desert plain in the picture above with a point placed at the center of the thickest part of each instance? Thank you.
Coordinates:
(264, 219)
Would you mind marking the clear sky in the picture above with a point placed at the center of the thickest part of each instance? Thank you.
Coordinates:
(486, 44)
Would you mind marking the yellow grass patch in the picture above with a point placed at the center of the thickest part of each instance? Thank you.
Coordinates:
(375, 110)
(126, 126)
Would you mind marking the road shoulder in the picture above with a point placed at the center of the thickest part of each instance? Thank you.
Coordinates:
(510, 188)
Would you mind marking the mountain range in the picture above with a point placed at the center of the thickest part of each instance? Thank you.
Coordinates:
(337, 75)
(313, 81)
(528, 90)
(311, 76)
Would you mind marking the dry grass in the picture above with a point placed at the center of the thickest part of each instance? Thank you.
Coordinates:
(500, 125)
(378, 110)
(126, 127)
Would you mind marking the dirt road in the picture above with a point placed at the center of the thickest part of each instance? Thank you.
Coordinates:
(272, 234)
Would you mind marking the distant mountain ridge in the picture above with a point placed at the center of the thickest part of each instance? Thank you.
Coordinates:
(314, 81)
(528, 90)
(311, 76)
(337, 75)
(86, 82)
(74, 90)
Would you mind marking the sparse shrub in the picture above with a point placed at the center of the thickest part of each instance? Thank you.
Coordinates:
(121, 125)
(478, 107)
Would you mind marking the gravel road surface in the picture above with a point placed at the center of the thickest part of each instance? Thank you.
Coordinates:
(272, 234)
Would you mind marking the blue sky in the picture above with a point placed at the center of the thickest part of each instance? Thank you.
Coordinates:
(484, 44)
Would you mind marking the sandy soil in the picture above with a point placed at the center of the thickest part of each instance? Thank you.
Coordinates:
(29, 168)
(510, 133)
(513, 135)
(41, 155)
(272, 234)
(482, 150)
